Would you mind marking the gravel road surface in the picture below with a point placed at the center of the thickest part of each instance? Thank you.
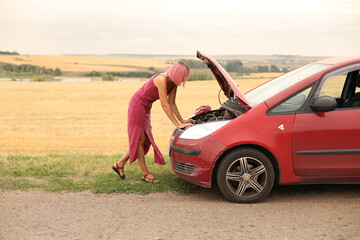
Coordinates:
(290, 212)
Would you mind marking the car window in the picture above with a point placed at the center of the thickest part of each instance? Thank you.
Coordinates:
(278, 84)
(357, 90)
(293, 103)
(341, 85)
(333, 86)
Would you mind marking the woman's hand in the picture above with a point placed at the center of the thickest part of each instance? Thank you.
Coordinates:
(188, 121)
(183, 125)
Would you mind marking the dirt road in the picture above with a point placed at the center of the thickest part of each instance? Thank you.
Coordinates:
(290, 212)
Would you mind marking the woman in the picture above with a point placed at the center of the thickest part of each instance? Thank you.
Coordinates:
(162, 86)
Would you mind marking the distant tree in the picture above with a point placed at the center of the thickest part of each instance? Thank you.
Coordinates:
(193, 63)
(8, 53)
(93, 74)
(274, 68)
(57, 72)
(233, 65)
(263, 68)
(198, 76)
(132, 74)
(246, 70)
(152, 69)
(26, 68)
(107, 77)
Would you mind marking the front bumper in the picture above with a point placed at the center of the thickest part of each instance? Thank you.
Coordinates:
(193, 160)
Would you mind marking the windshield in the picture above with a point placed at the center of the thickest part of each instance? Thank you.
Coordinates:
(275, 86)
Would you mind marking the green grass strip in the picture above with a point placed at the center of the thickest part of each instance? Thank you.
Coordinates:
(79, 172)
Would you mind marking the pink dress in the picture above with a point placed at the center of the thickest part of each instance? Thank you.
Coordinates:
(139, 119)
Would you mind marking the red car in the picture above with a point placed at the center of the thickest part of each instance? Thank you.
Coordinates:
(301, 127)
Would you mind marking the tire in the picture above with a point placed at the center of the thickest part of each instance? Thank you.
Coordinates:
(245, 175)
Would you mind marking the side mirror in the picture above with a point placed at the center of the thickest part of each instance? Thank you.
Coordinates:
(324, 104)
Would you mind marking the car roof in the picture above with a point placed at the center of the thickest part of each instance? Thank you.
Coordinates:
(339, 60)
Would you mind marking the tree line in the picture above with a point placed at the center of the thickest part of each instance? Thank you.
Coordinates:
(234, 66)
(193, 63)
(196, 74)
(28, 69)
(120, 74)
(8, 53)
(110, 76)
(260, 69)
(238, 67)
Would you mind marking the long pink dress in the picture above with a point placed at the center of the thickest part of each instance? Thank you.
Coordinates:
(139, 119)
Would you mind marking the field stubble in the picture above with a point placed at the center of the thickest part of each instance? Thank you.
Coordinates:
(86, 63)
(88, 117)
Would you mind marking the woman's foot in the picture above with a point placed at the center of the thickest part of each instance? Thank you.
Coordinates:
(149, 178)
(119, 170)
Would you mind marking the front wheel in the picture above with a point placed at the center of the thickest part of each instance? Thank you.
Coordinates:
(245, 175)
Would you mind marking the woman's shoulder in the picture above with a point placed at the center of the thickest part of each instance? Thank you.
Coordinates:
(159, 77)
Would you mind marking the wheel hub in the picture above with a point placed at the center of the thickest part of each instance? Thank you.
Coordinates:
(246, 177)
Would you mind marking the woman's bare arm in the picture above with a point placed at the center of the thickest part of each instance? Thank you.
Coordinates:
(172, 103)
(161, 84)
(162, 89)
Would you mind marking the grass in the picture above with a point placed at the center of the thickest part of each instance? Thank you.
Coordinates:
(79, 172)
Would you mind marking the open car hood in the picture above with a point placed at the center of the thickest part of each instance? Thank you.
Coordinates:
(226, 83)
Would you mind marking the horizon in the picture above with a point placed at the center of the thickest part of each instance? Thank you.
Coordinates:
(161, 55)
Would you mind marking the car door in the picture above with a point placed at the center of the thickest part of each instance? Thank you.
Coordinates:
(328, 143)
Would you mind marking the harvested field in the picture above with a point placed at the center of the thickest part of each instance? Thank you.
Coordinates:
(86, 63)
(87, 117)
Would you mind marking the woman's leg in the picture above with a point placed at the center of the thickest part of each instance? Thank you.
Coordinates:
(143, 141)
(140, 152)
(121, 163)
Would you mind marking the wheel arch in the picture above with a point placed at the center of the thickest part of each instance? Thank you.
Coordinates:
(271, 157)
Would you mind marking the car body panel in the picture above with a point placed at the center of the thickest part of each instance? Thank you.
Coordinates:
(202, 162)
(274, 136)
(327, 144)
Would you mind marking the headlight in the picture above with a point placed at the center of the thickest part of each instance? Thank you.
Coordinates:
(201, 130)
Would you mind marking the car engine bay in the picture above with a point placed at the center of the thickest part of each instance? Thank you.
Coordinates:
(228, 110)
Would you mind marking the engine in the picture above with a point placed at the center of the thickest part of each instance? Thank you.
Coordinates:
(228, 110)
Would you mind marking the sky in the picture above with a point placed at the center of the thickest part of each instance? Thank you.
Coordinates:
(294, 27)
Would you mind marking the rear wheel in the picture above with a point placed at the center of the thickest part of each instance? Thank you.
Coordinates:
(245, 175)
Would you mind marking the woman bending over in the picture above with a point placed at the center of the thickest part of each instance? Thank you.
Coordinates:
(161, 86)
